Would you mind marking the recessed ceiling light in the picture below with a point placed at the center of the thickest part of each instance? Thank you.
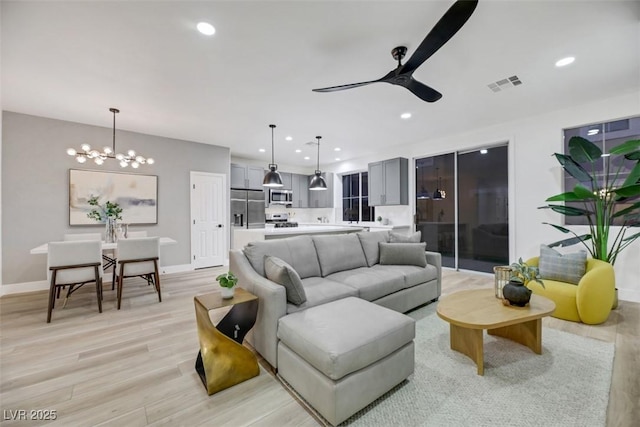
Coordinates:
(298, 151)
(206, 28)
(336, 149)
(484, 151)
(337, 159)
(565, 61)
(306, 157)
(262, 150)
(405, 116)
(289, 138)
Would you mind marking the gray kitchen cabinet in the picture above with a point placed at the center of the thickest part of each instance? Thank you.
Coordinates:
(389, 182)
(286, 180)
(246, 177)
(300, 188)
(322, 198)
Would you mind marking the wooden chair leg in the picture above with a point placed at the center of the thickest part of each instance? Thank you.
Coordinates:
(113, 277)
(157, 279)
(99, 290)
(52, 295)
(120, 277)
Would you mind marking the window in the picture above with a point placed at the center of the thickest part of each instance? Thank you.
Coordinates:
(605, 136)
(355, 198)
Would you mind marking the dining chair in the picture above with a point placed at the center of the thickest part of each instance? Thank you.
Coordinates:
(73, 264)
(109, 257)
(138, 257)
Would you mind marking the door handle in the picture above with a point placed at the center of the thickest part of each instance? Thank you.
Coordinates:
(220, 225)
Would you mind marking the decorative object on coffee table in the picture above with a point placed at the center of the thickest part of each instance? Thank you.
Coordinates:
(223, 361)
(502, 274)
(227, 281)
(516, 292)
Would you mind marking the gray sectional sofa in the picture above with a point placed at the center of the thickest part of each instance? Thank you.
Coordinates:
(330, 268)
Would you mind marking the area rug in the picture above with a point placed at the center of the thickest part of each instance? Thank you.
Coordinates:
(567, 385)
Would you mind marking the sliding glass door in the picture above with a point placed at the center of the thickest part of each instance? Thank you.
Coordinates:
(462, 207)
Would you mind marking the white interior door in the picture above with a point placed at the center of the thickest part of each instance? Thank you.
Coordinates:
(208, 219)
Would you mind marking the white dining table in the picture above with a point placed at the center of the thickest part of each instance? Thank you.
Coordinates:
(44, 249)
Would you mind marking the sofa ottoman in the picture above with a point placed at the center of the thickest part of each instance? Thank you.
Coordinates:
(343, 355)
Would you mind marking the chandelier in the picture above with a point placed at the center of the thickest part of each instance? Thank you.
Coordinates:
(130, 158)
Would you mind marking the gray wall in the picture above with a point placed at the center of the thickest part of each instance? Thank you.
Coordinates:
(35, 186)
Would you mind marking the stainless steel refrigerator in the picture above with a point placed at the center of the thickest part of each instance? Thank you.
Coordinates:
(247, 209)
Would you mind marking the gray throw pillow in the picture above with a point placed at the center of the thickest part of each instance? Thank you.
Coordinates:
(403, 254)
(405, 238)
(567, 268)
(283, 274)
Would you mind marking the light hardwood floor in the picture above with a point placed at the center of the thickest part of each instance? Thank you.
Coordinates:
(135, 366)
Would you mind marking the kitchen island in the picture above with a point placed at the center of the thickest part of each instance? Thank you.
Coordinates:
(240, 237)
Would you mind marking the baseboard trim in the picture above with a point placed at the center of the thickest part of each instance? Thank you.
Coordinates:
(628, 295)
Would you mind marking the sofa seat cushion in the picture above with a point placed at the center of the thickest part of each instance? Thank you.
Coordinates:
(299, 252)
(319, 291)
(412, 275)
(345, 336)
(339, 253)
(371, 283)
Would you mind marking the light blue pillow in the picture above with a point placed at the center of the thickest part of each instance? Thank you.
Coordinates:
(567, 268)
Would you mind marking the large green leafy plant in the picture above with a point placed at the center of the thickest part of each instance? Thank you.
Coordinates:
(600, 196)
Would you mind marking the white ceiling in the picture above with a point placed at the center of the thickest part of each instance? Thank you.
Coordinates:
(73, 60)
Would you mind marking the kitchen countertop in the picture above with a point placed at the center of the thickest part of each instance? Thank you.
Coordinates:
(309, 229)
(362, 225)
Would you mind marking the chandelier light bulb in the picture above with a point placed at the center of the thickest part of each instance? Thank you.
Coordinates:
(119, 156)
(123, 164)
(107, 150)
(135, 165)
(150, 161)
(85, 147)
(81, 159)
(131, 153)
(139, 159)
(71, 152)
(99, 161)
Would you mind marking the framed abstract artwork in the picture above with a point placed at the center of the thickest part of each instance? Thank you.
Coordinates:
(137, 195)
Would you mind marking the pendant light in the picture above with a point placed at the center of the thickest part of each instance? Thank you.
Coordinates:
(272, 178)
(130, 159)
(318, 182)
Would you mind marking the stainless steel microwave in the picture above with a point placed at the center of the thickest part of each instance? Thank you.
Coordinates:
(280, 197)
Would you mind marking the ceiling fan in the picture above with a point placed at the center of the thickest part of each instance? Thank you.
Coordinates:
(447, 26)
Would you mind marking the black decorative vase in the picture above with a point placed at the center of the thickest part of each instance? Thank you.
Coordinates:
(516, 293)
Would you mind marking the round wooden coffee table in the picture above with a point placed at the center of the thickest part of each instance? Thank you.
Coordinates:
(469, 312)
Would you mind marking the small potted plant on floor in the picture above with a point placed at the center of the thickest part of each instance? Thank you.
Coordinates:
(516, 292)
(227, 282)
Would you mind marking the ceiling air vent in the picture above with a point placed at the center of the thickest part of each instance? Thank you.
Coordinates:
(503, 84)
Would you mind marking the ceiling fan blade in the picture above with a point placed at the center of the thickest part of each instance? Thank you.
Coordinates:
(343, 87)
(423, 91)
(446, 28)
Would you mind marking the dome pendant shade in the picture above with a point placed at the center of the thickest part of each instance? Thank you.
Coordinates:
(272, 178)
(317, 182)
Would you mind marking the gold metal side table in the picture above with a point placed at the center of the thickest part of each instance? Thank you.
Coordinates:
(223, 361)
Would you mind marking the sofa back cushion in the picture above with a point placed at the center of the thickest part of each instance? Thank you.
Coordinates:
(369, 242)
(339, 252)
(299, 252)
(405, 238)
